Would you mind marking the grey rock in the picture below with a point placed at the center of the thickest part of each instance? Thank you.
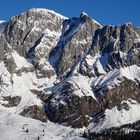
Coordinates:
(74, 43)
(24, 31)
(12, 101)
(70, 109)
(34, 112)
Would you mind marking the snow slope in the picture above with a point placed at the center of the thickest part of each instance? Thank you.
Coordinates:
(84, 84)
(21, 85)
(116, 118)
(44, 11)
(114, 77)
(15, 127)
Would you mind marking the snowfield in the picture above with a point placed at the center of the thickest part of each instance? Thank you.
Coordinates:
(15, 127)
(116, 118)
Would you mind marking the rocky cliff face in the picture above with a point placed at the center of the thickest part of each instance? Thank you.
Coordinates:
(28, 29)
(72, 68)
(75, 42)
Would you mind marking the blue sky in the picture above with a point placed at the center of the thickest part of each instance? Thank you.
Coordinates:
(104, 11)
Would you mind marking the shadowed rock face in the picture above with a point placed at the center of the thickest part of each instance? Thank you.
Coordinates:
(78, 45)
(76, 111)
(114, 40)
(34, 112)
(3, 46)
(74, 43)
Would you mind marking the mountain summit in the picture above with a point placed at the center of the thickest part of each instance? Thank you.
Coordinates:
(71, 71)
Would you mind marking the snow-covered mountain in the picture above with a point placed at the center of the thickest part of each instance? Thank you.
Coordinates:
(74, 72)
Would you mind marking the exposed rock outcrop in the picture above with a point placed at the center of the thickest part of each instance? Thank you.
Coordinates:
(76, 39)
(34, 112)
(76, 111)
(11, 101)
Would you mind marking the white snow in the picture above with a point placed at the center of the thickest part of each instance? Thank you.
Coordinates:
(108, 80)
(20, 61)
(84, 13)
(115, 118)
(98, 61)
(21, 85)
(131, 72)
(46, 11)
(137, 40)
(14, 127)
(82, 85)
(113, 77)
(2, 25)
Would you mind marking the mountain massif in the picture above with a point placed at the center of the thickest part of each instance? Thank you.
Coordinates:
(71, 71)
